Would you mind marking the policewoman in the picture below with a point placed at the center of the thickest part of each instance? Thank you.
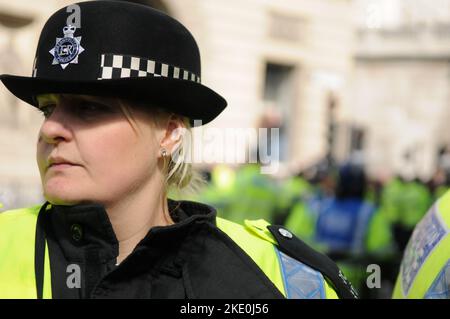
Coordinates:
(118, 84)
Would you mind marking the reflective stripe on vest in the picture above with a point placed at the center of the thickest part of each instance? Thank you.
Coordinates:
(440, 289)
(300, 281)
(427, 254)
(17, 271)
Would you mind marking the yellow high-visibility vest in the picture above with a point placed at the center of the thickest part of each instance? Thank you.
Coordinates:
(17, 257)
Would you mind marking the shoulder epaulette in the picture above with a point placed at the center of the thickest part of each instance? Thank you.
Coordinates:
(296, 248)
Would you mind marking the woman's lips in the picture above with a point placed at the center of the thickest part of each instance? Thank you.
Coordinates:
(58, 162)
(61, 166)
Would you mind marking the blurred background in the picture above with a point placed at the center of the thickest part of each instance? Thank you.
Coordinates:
(360, 90)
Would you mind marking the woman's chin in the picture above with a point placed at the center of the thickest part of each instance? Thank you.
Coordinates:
(65, 191)
(62, 196)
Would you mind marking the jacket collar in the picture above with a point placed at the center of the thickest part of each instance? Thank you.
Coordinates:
(88, 225)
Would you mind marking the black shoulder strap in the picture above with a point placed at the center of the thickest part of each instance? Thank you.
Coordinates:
(39, 252)
(294, 247)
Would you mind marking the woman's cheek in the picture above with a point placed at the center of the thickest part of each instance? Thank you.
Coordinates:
(117, 154)
(40, 158)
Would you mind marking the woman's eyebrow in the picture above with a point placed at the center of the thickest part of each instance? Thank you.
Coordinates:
(96, 99)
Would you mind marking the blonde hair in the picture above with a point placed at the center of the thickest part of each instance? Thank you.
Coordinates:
(180, 176)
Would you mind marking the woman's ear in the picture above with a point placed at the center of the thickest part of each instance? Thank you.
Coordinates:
(173, 133)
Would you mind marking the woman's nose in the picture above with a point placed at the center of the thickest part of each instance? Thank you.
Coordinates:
(56, 127)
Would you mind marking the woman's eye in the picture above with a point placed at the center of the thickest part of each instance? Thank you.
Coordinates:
(83, 110)
(87, 108)
(47, 110)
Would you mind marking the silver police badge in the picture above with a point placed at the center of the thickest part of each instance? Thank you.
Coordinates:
(67, 49)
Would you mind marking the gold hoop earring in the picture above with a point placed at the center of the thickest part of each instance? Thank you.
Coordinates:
(163, 152)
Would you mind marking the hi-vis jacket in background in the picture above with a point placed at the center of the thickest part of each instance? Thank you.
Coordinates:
(425, 269)
(200, 256)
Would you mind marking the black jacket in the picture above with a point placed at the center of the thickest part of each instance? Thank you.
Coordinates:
(189, 259)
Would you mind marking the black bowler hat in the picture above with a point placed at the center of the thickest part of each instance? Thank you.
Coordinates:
(119, 49)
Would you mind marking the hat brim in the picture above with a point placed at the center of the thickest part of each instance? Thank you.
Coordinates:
(187, 98)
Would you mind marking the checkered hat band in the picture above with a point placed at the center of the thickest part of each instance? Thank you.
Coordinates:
(114, 66)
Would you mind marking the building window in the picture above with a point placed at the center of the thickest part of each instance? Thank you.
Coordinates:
(357, 136)
(279, 100)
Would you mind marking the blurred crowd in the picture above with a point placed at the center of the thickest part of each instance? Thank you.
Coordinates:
(357, 221)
